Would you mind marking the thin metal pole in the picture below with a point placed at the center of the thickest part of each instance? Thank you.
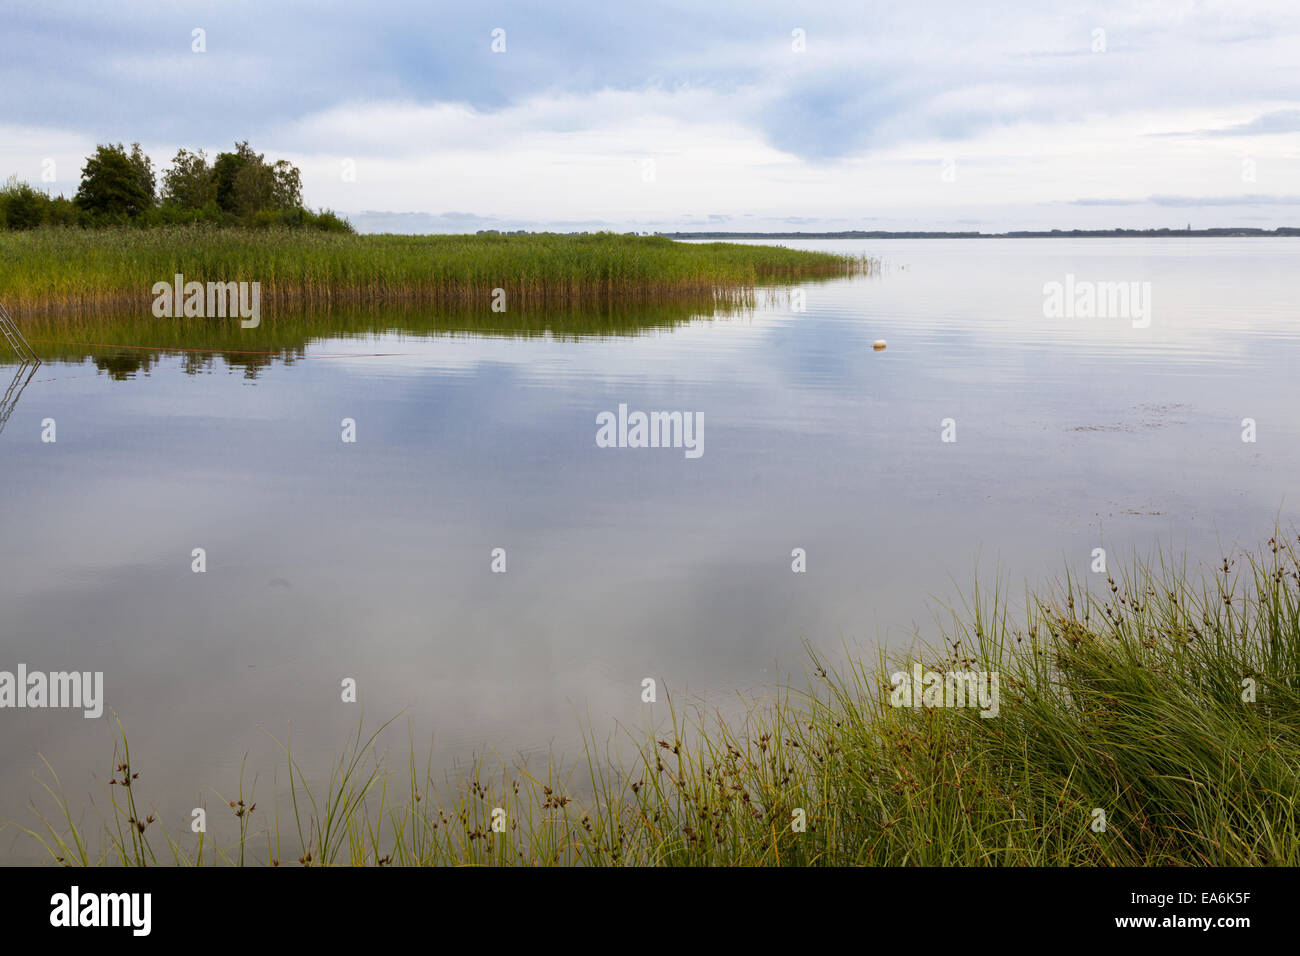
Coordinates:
(14, 336)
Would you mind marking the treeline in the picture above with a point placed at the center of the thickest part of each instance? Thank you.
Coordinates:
(120, 188)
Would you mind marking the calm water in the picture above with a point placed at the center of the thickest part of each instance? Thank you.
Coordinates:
(371, 560)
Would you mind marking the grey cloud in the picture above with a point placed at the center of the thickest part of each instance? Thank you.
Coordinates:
(1191, 201)
(872, 75)
(1278, 121)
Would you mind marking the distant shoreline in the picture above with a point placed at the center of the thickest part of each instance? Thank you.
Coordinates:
(1224, 233)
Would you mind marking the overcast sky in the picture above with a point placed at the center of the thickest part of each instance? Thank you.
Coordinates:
(687, 115)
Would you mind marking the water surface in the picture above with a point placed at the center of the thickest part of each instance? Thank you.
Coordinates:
(372, 560)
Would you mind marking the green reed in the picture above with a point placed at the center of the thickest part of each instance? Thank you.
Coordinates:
(65, 268)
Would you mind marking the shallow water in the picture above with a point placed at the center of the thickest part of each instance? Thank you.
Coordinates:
(372, 560)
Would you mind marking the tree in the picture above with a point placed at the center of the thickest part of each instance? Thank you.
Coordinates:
(21, 206)
(254, 185)
(226, 170)
(118, 186)
(286, 189)
(246, 184)
(190, 183)
(115, 183)
(143, 166)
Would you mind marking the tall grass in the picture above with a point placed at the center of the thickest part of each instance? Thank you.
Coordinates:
(1130, 698)
(74, 268)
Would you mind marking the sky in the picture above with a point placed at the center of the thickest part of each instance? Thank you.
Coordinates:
(666, 116)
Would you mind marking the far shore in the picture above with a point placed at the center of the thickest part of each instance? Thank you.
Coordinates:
(1231, 232)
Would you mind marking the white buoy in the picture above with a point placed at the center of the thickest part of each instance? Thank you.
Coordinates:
(878, 345)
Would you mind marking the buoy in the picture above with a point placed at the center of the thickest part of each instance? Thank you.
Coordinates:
(878, 345)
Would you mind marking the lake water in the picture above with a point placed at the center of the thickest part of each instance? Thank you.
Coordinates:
(372, 560)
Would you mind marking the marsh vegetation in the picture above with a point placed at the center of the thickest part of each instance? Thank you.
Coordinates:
(74, 269)
(1165, 704)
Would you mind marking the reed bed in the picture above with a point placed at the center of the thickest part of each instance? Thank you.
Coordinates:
(1129, 697)
(62, 268)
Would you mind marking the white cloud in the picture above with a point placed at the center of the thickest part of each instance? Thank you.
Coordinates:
(739, 127)
(556, 160)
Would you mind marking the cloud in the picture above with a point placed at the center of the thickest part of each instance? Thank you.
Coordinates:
(1226, 200)
(1245, 200)
(1278, 121)
(737, 120)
